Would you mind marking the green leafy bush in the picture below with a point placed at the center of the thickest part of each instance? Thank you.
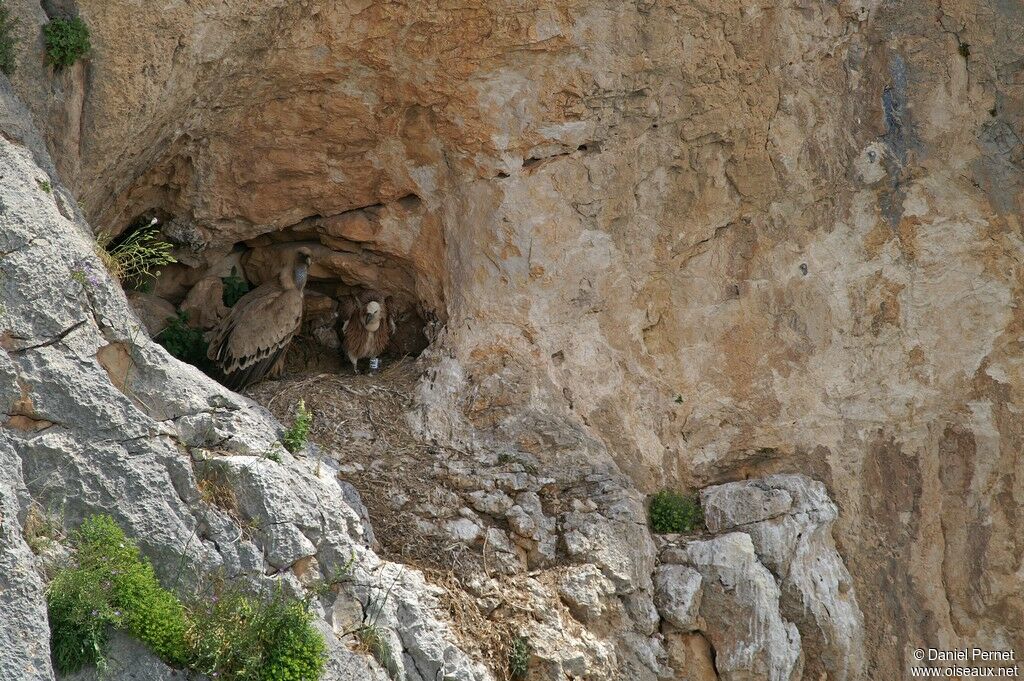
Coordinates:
(673, 512)
(110, 585)
(183, 341)
(234, 288)
(7, 40)
(295, 437)
(67, 41)
(239, 637)
(232, 637)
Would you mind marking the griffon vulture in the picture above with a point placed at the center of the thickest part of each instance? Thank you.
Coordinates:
(252, 340)
(367, 330)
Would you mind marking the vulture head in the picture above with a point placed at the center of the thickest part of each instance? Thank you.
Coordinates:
(372, 313)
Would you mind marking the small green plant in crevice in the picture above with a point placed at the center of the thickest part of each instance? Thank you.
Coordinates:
(230, 636)
(67, 41)
(215, 489)
(234, 288)
(45, 186)
(673, 512)
(329, 587)
(8, 43)
(519, 658)
(274, 453)
(295, 437)
(369, 635)
(183, 341)
(135, 260)
(374, 641)
(85, 273)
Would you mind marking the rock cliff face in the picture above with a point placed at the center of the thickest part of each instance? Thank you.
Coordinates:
(685, 243)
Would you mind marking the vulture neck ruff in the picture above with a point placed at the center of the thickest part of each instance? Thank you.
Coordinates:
(294, 276)
(301, 274)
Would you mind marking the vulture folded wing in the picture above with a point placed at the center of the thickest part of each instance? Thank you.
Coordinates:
(256, 334)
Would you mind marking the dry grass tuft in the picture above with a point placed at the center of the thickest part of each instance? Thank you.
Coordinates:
(215, 490)
(42, 530)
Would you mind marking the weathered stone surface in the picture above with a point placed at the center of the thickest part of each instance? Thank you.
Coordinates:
(789, 518)
(136, 449)
(690, 657)
(586, 591)
(721, 238)
(153, 311)
(129, 660)
(677, 595)
(24, 634)
(740, 605)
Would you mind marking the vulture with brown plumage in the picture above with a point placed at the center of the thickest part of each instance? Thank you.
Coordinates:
(252, 340)
(368, 329)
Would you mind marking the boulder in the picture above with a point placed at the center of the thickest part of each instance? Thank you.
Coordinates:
(739, 603)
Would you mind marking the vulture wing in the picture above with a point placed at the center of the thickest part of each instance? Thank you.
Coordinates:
(256, 334)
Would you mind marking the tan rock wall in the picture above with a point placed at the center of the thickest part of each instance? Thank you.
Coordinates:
(729, 238)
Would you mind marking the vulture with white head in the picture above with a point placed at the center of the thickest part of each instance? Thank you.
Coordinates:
(368, 329)
(251, 342)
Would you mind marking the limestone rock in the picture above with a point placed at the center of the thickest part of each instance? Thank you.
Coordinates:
(586, 591)
(137, 449)
(24, 633)
(129, 660)
(204, 303)
(154, 312)
(690, 657)
(789, 518)
(740, 605)
(677, 591)
(717, 239)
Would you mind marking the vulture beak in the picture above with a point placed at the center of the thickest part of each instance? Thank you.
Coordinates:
(369, 317)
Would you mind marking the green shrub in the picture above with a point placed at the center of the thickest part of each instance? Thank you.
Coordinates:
(67, 41)
(519, 658)
(110, 585)
(234, 637)
(239, 637)
(183, 341)
(295, 437)
(234, 288)
(7, 40)
(672, 512)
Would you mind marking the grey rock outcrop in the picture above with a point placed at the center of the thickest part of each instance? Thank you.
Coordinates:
(129, 660)
(100, 419)
(739, 601)
(789, 520)
(769, 592)
(24, 634)
(677, 590)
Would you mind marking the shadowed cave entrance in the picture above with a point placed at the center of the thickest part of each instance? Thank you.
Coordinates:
(378, 248)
